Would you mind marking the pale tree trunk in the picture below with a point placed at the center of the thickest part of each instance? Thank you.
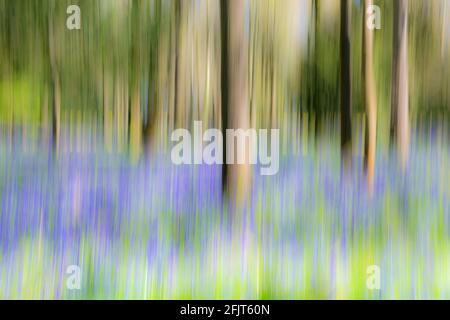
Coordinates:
(135, 131)
(235, 109)
(273, 90)
(180, 67)
(370, 100)
(400, 92)
(346, 86)
(253, 34)
(444, 29)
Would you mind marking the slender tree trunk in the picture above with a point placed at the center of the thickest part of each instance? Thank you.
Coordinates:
(346, 85)
(400, 91)
(444, 30)
(253, 34)
(135, 126)
(172, 70)
(108, 85)
(235, 109)
(272, 84)
(153, 89)
(224, 85)
(54, 83)
(316, 95)
(180, 80)
(370, 100)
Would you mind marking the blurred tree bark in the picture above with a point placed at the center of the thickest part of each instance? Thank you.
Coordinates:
(153, 86)
(316, 96)
(180, 72)
(55, 84)
(370, 100)
(135, 134)
(400, 91)
(346, 85)
(235, 109)
(224, 84)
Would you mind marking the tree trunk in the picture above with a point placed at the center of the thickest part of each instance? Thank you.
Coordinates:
(135, 129)
(316, 95)
(400, 98)
(153, 86)
(346, 86)
(180, 75)
(55, 83)
(235, 109)
(370, 100)
(224, 85)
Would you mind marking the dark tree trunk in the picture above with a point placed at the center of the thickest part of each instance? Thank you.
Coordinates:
(55, 85)
(153, 98)
(400, 94)
(224, 84)
(346, 85)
